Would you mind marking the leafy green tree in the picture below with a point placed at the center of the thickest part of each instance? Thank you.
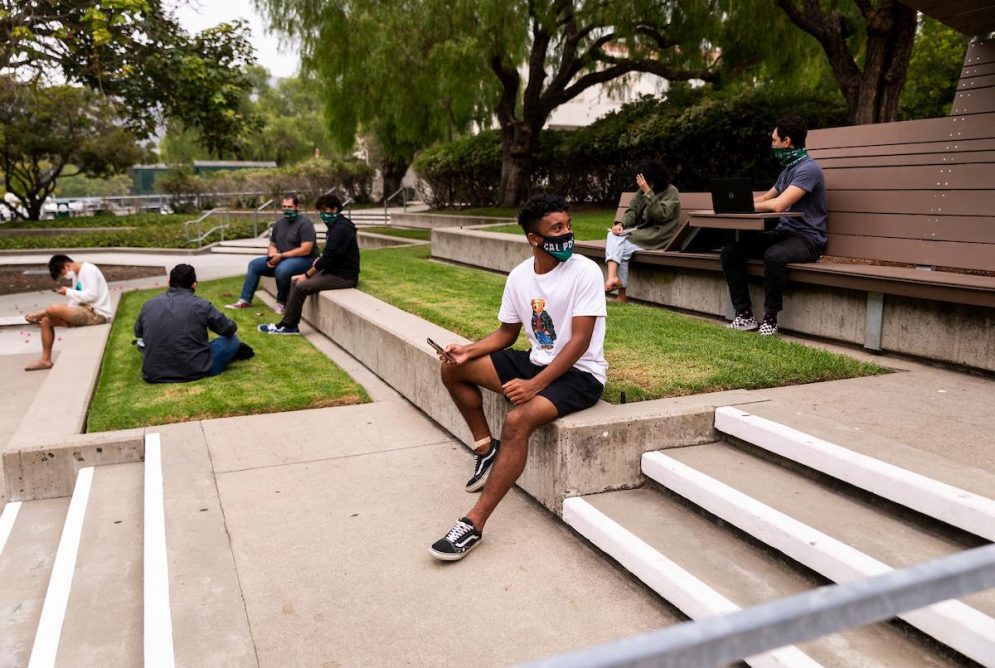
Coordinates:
(135, 52)
(934, 71)
(394, 70)
(58, 131)
(868, 44)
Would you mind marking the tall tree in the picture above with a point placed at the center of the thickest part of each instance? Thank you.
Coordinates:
(868, 44)
(391, 70)
(57, 131)
(545, 53)
(135, 52)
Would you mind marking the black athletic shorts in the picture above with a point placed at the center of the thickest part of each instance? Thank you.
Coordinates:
(573, 391)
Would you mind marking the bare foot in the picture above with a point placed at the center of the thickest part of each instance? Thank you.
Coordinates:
(621, 298)
(40, 365)
(34, 318)
(612, 284)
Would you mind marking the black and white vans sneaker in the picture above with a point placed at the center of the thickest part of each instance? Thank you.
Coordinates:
(454, 545)
(482, 464)
(744, 322)
(768, 327)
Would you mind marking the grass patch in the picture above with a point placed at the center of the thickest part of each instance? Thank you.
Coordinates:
(403, 232)
(150, 231)
(588, 224)
(286, 374)
(652, 353)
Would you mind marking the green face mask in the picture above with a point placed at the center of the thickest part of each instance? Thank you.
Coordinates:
(328, 218)
(789, 156)
(561, 247)
(290, 215)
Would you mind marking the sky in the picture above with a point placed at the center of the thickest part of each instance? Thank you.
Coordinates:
(196, 15)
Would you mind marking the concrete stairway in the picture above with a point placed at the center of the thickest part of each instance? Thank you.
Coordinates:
(97, 580)
(771, 511)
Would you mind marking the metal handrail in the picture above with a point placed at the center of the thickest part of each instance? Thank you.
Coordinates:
(255, 215)
(197, 222)
(403, 191)
(728, 638)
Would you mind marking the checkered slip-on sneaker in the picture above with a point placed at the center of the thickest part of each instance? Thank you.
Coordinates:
(482, 466)
(768, 327)
(744, 323)
(462, 538)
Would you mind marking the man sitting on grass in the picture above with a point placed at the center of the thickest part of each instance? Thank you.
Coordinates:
(561, 297)
(291, 251)
(172, 334)
(89, 304)
(336, 269)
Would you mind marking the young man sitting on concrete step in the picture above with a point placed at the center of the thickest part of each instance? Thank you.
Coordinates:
(561, 299)
(89, 304)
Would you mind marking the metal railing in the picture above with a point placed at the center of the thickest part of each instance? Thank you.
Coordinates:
(255, 215)
(403, 192)
(727, 638)
(199, 239)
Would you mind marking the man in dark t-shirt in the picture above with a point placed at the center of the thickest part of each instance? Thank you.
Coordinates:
(800, 187)
(172, 334)
(292, 249)
(336, 269)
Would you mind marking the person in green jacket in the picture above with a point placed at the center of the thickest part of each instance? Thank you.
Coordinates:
(649, 223)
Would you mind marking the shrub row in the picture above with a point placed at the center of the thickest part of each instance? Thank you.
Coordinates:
(696, 136)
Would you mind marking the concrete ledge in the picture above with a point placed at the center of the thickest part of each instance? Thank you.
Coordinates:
(436, 220)
(945, 332)
(372, 240)
(589, 452)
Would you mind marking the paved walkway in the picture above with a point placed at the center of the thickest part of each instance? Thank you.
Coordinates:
(330, 513)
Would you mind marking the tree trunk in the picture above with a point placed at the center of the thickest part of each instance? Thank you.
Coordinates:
(393, 173)
(518, 141)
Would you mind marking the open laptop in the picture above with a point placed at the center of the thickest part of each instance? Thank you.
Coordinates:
(732, 195)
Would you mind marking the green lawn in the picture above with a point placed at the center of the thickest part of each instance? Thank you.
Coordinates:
(588, 224)
(652, 352)
(286, 374)
(151, 230)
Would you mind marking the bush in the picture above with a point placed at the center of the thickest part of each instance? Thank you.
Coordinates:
(697, 136)
(308, 179)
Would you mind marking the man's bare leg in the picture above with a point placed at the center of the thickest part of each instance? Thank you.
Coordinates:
(464, 382)
(56, 315)
(613, 282)
(519, 424)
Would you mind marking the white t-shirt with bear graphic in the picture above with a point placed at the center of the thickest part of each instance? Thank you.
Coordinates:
(546, 303)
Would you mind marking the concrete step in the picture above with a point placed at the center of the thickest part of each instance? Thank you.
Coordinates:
(727, 567)
(103, 618)
(839, 537)
(33, 529)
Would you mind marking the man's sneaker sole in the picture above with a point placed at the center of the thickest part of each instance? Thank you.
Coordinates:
(281, 332)
(447, 556)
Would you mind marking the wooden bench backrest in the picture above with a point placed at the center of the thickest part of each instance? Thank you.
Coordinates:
(921, 192)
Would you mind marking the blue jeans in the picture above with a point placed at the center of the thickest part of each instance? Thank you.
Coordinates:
(282, 272)
(223, 349)
(619, 249)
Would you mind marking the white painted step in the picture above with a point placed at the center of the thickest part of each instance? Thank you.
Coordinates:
(25, 568)
(958, 507)
(746, 575)
(678, 586)
(837, 537)
(103, 618)
(210, 625)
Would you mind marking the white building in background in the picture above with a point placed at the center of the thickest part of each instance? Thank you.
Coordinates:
(599, 100)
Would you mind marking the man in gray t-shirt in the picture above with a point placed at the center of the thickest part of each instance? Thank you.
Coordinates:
(800, 187)
(292, 250)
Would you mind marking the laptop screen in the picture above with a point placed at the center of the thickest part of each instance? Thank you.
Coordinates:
(732, 195)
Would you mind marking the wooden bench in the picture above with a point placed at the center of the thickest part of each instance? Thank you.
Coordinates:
(914, 193)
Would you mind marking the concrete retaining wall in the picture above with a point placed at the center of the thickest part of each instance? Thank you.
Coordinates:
(435, 220)
(589, 452)
(372, 240)
(950, 333)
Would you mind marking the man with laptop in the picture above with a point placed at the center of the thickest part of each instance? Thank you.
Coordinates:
(800, 187)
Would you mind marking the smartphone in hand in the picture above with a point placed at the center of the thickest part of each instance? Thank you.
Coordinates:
(442, 351)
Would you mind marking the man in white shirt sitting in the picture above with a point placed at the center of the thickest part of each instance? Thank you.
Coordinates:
(89, 304)
(560, 299)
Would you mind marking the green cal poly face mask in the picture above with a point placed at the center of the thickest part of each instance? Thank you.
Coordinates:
(561, 247)
(290, 214)
(328, 218)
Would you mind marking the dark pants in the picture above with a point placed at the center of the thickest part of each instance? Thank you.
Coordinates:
(223, 349)
(777, 248)
(299, 292)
